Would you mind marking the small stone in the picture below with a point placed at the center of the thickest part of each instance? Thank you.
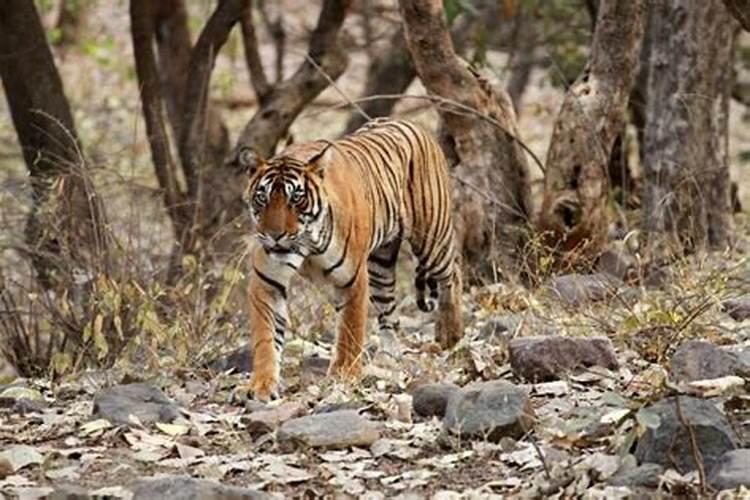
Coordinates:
(700, 360)
(738, 309)
(17, 457)
(430, 400)
(647, 475)
(540, 359)
(268, 419)
(69, 492)
(732, 470)
(489, 410)
(189, 488)
(670, 441)
(337, 429)
(144, 401)
(314, 368)
(616, 262)
(578, 289)
(239, 361)
(515, 324)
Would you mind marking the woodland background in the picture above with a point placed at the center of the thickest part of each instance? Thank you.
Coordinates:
(599, 140)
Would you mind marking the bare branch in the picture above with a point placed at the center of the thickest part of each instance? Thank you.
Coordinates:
(252, 56)
(327, 60)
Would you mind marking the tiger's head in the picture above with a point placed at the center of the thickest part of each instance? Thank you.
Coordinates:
(286, 199)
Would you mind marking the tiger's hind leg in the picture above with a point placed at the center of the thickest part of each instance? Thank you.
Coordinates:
(439, 286)
(381, 267)
(449, 328)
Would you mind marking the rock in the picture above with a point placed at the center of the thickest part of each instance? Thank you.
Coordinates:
(144, 401)
(19, 456)
(337, 429)
(738, 309)
(187, 488)
(489, 410)
(670, 440)
(616, 262)
(645, 475)
(701, 360)
(268, 419)
(239, 361)
(578, 289)
(539, 359)
(511, 324)
(430, 400)
(314, 368)
(69, 492)
(18, 392)
(732, 470)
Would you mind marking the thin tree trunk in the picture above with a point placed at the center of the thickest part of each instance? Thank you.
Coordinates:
(686, 175)
(576, 185)
(491, 174)
(65, 230)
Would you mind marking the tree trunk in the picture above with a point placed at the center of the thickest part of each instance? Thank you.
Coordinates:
(686, 202)
(65, 230)
(326, 59)
(740, 9)
(391, 72)
(576, 186)
(490, 174)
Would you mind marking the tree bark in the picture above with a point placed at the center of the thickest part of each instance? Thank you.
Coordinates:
(391, 72)
(326, 59)
(686, 194)
(740, 9)
(490, 173)
(65, 230)
(573, 214)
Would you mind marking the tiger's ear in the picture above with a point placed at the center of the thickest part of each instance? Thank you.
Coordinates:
(245, 159)
(319, 163)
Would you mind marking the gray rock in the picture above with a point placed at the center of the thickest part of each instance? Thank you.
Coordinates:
(509, 324)
(337, 429)
(539, 359)
(732, 470)
(69, 492)
(578, 289)
(430, 400)
(669, 443)
(239, 361)
(314, 368)
(700, 360)
(646, 475)
(616, 262)
(144, 401)
(489, 410)
(738, 309)
(187, 488)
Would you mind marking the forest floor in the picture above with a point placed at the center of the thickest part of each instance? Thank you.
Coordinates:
(588, 422)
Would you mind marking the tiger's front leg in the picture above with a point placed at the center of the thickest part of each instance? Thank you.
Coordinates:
(268, 323)
(353, 322)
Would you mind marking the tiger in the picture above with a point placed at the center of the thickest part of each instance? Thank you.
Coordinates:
(339, 211)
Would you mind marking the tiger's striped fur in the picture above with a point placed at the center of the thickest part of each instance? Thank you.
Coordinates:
(340, 211)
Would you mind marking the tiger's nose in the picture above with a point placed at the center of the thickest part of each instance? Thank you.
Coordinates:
(276, 234)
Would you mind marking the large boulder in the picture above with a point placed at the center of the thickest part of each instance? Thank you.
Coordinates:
(668, 443)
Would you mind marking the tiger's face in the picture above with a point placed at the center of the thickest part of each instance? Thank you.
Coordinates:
(285, 199)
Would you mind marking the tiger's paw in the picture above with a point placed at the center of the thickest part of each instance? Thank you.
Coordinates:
(265, 389)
